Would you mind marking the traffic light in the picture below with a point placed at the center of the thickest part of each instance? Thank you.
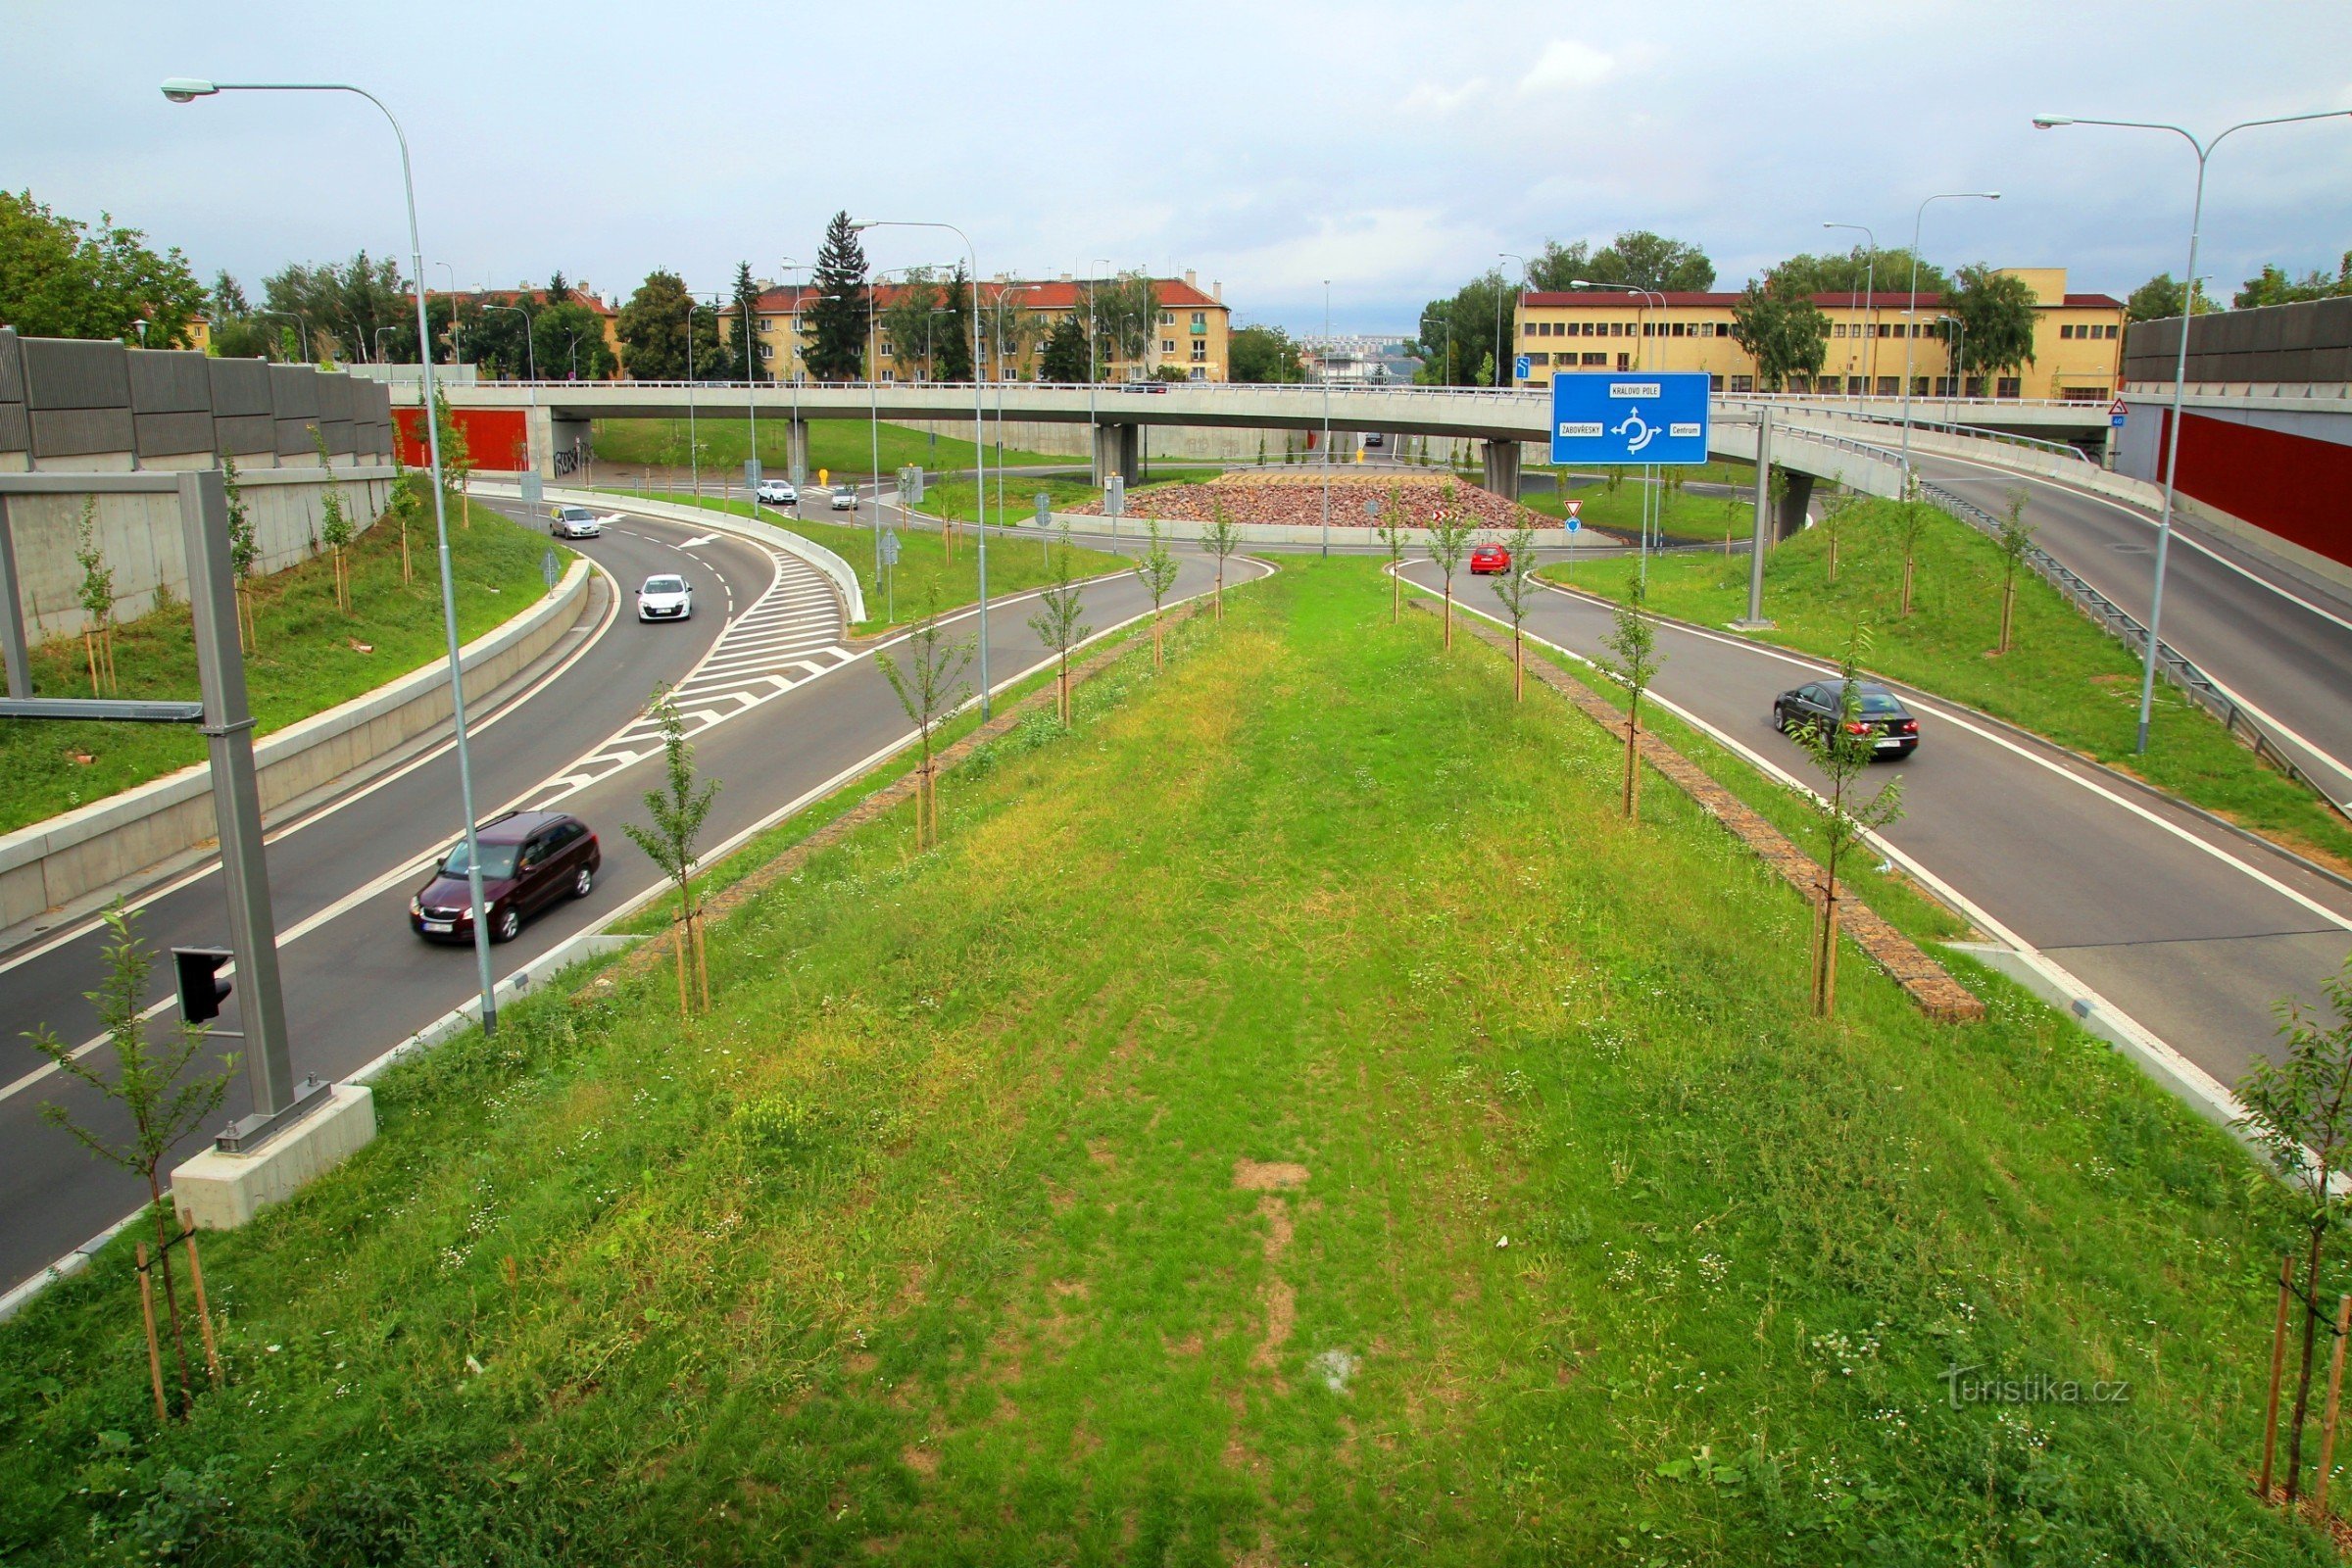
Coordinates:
(201, 988)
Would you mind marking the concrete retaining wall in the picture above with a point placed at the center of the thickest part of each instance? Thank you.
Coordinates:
(67, 858)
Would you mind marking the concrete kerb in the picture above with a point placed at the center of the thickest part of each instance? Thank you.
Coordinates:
(48, 864)
(836, 570)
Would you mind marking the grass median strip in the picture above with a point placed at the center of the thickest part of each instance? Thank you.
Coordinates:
(309, 657)
(2063, 679)
(839, 445)
(1293, 1117)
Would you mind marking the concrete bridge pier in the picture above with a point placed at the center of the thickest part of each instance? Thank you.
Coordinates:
(796, 450)
(1120, 450)
(1789, 521)
(550, 434)
(1499, 469)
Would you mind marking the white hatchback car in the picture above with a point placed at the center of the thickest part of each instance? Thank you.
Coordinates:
(844, 498)
(664, 598)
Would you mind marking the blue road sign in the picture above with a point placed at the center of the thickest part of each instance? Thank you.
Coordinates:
(2116, 419)
(1574, 523)
(1520, 368)
(1628, 416)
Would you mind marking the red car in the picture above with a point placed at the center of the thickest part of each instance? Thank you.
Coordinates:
(1489, 560)
(530, 860)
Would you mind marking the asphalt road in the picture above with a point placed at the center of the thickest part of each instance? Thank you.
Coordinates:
(357, 981)
(2276, 642)
(2187, 928)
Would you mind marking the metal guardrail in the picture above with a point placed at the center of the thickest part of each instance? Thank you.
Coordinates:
(1975, 433)
(2128, 631)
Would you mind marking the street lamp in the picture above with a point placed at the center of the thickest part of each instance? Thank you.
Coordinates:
(979, 427)
(1911, 311)
(998, 348)
(530, 350)
(1959, 350)
(182, 89)
(1508, 256)
(873, 397)
(379, 342)
(1325, 379)
(296, 317)
(456, 344)
(2188, 311)
(1870, 296)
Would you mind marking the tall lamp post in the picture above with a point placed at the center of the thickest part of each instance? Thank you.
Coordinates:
(1959, 349)
(1499, 360)
(530, 351)
(2188, 308)
(182, 89)
(792, 352)
(1911, 311)
(456, 344)
(874, 398)
(1324, 375)
(979, 426)
(1870, 297)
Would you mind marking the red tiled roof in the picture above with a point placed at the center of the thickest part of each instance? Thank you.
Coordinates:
(1057, 294)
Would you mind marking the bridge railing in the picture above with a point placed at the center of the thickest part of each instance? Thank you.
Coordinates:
(2128, 629)
(1947, 427)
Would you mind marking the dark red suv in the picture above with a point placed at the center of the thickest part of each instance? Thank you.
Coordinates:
(530, 860)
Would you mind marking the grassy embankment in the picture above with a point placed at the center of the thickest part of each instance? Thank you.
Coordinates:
(2062, 677)
(1131, 1179)
(931, 572)
(305, 662)
(839, 445)
(1686, 518)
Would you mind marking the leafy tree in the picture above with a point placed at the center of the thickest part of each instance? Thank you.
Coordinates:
(836, 317)
(244, 551)
(1221, 539)
(1782, 327)
(60, 277)
(1059, 626)
(1011, 331)
(904, 323)
(1394, 531)
(1636, 256)
(951, 333)
(1063, 359)
(678, 810)
(2159, 299)
(1833, 507)
(1634, 643)
(1996, 317)
(227, 297)
(1842, 750)
(1516, 589)
(152, 1085)
(343, 305)
(743, 343)
(457, 456)
(1910, 523)
(570, 333)
(335, 532)
(2274, 287)
(97, 596)
(1449, 538)
(2013, 537)
(1834, 273)
(1156, 571)
(1262, 354)
(1126, 314)
(653, 331)
(1458, 335)
(930, 687)
(2299, 1109)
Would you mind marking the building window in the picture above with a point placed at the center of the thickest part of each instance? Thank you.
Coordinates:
(1538, 358)
(890, 376)
(1837, 330)
(1200, 321)
(2066, 330)
(1743, 384)
(1715, 383)
(1603, 361)
(1890, 385)
(1625, 361)
(2007, 387)
(1798, 382)
(1199, 354)
(2083, 394)
(1943, 387)
(767, 351)
(1167, 318)
(1199, 373)
(2111, 331)
(1167, 345)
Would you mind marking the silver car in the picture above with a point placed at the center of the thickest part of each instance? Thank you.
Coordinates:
(844, 498)
(575, 522)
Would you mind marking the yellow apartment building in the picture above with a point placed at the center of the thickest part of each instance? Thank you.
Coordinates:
(2077, 342)
(1193, 332)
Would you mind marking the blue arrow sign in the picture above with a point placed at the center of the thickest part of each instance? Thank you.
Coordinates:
(1628, 416)
(1520, 368)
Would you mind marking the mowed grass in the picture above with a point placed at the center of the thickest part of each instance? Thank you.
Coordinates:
(1684, 515)
(933, 571)
(2062, 677)
(839, 446)
(1293, 1119)
(305, 662)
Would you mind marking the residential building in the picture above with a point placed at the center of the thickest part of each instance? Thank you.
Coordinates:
(2077, 342)
(1192, 333)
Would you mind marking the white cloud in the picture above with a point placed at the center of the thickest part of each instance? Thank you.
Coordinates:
(1428, 98)
(1568, 63)
(1353, 248)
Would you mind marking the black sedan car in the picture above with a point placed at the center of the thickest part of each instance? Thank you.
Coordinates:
(1878, 713)
(530, 860)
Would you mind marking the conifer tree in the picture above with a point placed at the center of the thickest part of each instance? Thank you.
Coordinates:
(837, 316)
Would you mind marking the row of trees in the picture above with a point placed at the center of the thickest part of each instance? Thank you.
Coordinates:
(363, 310)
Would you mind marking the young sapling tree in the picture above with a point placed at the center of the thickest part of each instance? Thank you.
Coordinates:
(1843, 749)
(1449, 534)
(152, 1083)
(1222, 540)
(1910, 525)
(2299, 1111)
(1156, 571)
(1516, 588)
(335, 530)
(930, 687)
(1632, 644)
(1394, 530)
(1060, 625)
(678, 810)
(2013, 537)
(97, 596)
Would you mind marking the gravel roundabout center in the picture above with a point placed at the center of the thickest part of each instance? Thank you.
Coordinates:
(1297, 499)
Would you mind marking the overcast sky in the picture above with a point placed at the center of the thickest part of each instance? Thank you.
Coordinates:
(1392, 149)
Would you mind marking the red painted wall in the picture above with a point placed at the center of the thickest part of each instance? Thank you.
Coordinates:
(498, 438)
(2291, 485)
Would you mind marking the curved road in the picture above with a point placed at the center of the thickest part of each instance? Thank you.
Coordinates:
(767, 640)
